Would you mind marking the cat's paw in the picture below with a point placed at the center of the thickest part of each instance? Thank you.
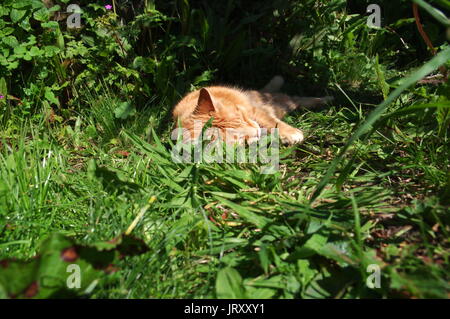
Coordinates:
(293, 138)
(290, 135)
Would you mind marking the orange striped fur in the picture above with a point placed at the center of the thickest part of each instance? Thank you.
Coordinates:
(242, 112)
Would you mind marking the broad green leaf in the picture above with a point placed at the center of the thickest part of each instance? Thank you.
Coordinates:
(124, 111)
(260, 293)
(51, 50)
(55, 269)
(13, 65)
(55, 8)
(16, 15)
(229, 284)
(34, 51)
(311, 247)
(20, 51)
(50, 24)
(20, 4)
(4, 11)
(11, 41)
(6, 31)
(25, 23)
(50, 96)
(42, 15)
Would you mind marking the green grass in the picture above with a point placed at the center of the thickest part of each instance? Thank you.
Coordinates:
(226, 230)
(85, 149)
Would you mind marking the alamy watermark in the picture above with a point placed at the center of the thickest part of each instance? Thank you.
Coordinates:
(374, 280)
(209, 147)
(73, 21)
(74, 279)
(374, 19)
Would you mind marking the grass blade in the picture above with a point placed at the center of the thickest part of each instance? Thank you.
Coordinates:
(426, 69)
(437, 14)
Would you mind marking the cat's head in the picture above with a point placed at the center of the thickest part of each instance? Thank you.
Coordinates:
(230, 122)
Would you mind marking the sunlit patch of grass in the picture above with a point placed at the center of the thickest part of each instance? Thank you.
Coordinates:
(209, 218)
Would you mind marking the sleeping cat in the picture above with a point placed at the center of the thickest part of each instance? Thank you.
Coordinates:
(241, 112)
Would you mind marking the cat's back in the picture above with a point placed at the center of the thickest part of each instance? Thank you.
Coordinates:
(222, 95)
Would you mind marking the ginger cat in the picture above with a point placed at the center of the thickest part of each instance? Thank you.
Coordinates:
(242, 112)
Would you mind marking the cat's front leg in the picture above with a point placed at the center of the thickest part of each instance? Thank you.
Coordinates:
(288, 134)
(266, 118)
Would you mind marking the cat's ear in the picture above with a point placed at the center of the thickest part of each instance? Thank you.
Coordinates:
(205, 103)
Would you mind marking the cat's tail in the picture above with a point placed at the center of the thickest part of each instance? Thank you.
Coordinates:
(311, 102)
(277, 82)
(283, 103)
(274, 85)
